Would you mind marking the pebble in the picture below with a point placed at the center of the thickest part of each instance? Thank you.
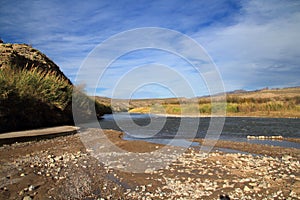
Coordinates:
(27, 198)
(143, 187)
(253, 184)
(31, 188)
(256, 189)
(148, 171)
(58, 158)
(247, 189)
(194, 176)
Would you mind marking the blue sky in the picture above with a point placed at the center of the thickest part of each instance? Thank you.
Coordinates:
(254, 44)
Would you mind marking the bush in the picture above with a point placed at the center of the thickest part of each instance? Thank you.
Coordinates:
(205, 108)
(34, 98)
(43, 86)
(232, 107)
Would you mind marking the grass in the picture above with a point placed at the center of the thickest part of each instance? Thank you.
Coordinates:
(31, 98)
(46, 87)
(265, 103)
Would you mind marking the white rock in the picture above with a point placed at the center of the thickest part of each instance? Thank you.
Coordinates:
(143, 187)
(27, 198)
(247, 189)
(31, 188)
(149, 170)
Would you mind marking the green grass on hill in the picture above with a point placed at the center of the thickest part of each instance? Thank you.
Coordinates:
(34, 98)
(34, 84)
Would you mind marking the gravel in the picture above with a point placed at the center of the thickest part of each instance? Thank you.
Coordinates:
(61, 168)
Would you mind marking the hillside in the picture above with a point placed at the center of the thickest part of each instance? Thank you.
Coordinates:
(35, 93)
(20, 56)
(284, 102)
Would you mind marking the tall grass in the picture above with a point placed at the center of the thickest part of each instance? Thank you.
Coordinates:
(30, 98)
(43, 86)
(283, 106)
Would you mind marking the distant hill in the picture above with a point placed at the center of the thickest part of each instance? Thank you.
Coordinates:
(279, 102)
(124, 105)
(35, 93)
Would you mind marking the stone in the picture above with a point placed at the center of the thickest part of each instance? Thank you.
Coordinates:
(73, 157)
(256, 189)
(247, 189)
(209, 188)
(143, 187)
(27, 198)
(253, 184)
(31, 188)
(148, 170)
(286, 157)
(57, 158)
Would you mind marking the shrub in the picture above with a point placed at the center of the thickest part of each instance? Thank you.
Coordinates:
(30, 98)
(43, 86)
(232, 107)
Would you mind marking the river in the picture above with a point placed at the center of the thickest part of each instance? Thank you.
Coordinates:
(235, 128)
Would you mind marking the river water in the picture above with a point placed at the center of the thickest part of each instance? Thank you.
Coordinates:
(161, 129)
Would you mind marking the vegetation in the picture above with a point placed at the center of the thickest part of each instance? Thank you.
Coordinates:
(42, 86)
(34, 98)
(269, 103)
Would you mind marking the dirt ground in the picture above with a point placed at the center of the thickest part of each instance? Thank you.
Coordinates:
(67, 168)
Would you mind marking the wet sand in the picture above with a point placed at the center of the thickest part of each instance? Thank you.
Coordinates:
(64, 168)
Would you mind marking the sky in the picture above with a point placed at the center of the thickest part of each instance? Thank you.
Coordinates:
(250, 44)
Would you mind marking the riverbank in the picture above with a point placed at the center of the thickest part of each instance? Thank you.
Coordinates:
(63, 168)
(270, 103)
(36, 134)
(226, 115)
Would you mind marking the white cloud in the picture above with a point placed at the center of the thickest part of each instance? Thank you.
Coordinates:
(265, 39)
(254, 43)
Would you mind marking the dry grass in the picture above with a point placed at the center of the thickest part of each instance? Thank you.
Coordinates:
(263, 103)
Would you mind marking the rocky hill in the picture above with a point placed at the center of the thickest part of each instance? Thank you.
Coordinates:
(35, 93)
(20, 56)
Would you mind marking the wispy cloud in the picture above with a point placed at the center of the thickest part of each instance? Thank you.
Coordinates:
(254, 43)
(261, 49)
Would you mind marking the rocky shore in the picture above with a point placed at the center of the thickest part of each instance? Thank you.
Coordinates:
(63, 168)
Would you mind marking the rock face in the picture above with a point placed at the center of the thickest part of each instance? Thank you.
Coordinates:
(24, 56)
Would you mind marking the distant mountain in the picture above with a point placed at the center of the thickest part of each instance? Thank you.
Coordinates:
(237, 92)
